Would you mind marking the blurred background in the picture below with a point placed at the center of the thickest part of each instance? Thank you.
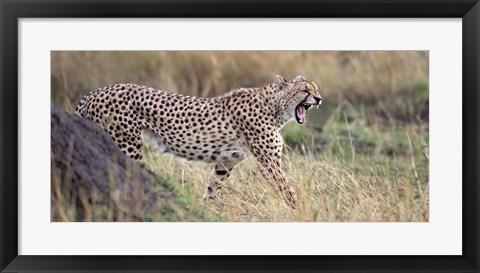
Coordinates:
(362, 156)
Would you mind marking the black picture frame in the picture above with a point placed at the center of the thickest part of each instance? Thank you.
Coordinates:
(11, 11)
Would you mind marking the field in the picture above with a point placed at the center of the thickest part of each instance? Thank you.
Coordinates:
(362, 156)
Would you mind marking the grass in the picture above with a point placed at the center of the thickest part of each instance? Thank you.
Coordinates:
(362, 156)
(330, 188)
(158, 201)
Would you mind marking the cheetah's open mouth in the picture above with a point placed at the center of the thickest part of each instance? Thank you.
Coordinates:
(301, 112)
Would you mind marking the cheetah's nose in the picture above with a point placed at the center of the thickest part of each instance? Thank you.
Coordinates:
(318, 99)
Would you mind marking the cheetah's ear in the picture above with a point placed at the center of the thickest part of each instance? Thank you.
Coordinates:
(300, 78)
(280, 81)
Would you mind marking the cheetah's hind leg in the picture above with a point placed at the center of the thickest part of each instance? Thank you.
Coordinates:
(131, 145)
(221, 172)
(129, 141)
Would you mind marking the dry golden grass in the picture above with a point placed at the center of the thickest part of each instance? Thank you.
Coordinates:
(368, 75)
(329, 189)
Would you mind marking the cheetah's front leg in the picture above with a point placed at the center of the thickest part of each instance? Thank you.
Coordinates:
(268, 153)
(272, 172)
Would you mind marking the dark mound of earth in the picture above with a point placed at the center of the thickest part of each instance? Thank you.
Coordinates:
(88, 169)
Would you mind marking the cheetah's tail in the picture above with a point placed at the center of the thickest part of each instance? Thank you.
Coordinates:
(81, 108)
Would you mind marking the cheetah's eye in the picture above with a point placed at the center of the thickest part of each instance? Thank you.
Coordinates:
(304, 90)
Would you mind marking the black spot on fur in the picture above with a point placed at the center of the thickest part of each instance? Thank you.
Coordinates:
(221, 172)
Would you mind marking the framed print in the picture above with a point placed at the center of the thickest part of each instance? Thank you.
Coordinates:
(166, 136)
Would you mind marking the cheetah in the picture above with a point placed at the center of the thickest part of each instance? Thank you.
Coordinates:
(219, 130)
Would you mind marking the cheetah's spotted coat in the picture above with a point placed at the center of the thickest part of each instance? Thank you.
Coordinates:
(218, 130)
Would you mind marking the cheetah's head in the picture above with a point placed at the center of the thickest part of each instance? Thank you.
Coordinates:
(297, 96)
